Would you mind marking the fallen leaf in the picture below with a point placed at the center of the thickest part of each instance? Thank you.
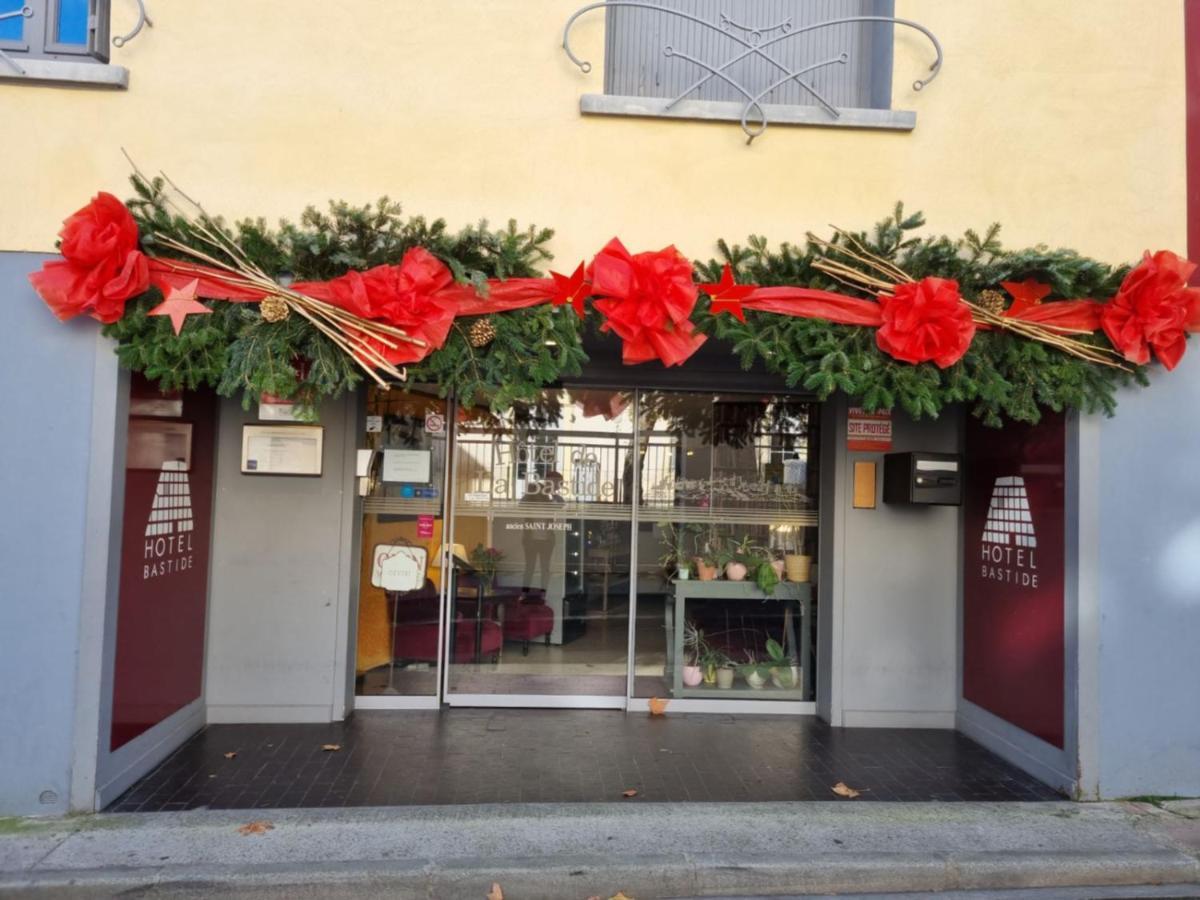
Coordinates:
(658, 707)
(619, 895)
(842, 790)
(256, 828)
(231, 754)
(331, 748)
(629, 793)
(495, 893)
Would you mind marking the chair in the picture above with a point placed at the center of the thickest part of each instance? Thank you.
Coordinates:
(415, 634)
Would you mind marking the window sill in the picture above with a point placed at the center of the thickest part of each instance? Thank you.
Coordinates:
(727, 111)
(56, 71)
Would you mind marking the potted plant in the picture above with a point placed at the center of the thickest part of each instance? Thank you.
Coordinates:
(747, 558)
(778, 564)
(486, 561)
(797, 565)
(725, 673)
(754, 672)
(785, 672)
(694, 647)
(712, 661)
(674, 557)
(709, 554)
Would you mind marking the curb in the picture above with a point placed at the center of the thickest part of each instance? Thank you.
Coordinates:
(641, 877)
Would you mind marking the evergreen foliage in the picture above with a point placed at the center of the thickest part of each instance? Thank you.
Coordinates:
(234, 350)
(1000, 376)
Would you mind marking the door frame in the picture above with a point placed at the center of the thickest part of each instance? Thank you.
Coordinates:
(626, 702)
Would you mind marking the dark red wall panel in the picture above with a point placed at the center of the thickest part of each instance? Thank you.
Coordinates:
(164, 559)
(1013, 612)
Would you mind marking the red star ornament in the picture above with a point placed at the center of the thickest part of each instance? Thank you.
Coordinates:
(571, 290)
(181, 303)
(727, 295)
(1025, 294)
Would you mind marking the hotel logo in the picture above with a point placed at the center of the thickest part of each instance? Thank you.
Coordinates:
(168, 546)
(1008, 544)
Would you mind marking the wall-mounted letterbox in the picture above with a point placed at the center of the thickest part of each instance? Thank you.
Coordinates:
(922, 478)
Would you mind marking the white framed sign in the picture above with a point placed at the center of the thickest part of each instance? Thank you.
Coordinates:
(398, 567)
(411, 466)
(282, 449)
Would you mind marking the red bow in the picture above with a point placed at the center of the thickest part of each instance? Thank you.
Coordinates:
(926, 320)
(101, 266)
(411, 296)
(646, 299)
(1153, 310)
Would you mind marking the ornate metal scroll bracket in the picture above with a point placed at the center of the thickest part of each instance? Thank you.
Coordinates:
(755, 40)
(143, 21)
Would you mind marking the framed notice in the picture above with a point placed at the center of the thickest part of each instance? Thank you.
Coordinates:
(282, 449)
(411, 466)
(398, 567)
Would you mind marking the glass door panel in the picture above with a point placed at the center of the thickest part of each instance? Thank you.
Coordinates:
(728, 485)
(542, 518)
(399, 579)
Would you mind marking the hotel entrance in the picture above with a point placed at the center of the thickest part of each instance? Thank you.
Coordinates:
(598, 548)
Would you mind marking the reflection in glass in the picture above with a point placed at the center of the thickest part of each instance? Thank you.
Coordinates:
(399, 577)
(542, 495)
(729, 510)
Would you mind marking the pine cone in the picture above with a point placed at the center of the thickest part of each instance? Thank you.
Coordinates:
(273, 309)
(482, 333)
(993, 301)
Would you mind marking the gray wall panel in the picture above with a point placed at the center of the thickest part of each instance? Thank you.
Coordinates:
(1148, 579)
(279, 590)
(46, 398)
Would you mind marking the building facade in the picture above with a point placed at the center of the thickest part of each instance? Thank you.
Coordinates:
(1052, 615)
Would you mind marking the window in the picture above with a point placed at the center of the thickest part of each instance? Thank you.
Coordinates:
(757, 62)
(73, 30)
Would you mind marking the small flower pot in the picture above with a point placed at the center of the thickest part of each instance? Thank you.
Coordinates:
(736, 571)
(797, 566)
(756, 680)
(683, 573)
(786, 678)
(724, 678)
(710, 675)
(780, 568)
(692, 675)
(704, 571)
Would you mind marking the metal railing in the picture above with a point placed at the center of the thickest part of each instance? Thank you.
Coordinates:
(755, 40)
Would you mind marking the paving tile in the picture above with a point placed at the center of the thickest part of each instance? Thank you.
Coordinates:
(567, 756)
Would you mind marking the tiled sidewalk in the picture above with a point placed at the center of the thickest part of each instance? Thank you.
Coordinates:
(544, 756)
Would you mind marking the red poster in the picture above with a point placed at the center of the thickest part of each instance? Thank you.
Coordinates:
(868, 432)
(1013, 612)
(164, 559)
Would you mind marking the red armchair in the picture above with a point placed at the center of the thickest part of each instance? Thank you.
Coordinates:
(415, 636)
(527, 617)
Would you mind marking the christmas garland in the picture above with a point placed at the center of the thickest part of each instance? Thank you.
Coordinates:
(308, 310)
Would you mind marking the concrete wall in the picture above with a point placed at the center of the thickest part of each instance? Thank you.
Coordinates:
(51, 377)
(1143, 709)
(466, 109)
(890, 633)
(279, 595)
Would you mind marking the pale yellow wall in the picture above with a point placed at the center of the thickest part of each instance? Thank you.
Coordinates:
(1064, 120)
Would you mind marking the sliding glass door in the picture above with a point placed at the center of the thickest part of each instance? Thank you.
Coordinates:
(594, 547)
(542, 515)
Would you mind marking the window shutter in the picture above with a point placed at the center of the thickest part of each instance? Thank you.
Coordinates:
(636, 66)
(98, 29)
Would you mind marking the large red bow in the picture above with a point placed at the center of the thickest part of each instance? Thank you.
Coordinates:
(411, 296)
(101, 266)
(647, 300)
(925, 320)
(1153, 309)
